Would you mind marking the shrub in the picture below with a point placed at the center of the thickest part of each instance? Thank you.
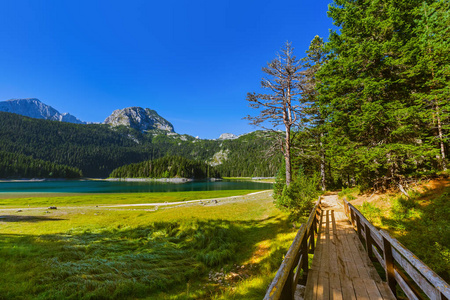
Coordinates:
(297, 198)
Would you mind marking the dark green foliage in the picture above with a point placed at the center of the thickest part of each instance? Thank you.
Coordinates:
(94, 149)
(298, 198)
(166, 167)
(370, 104)
(378, 93)
(248, 157)
(99, 149)
(13, 165)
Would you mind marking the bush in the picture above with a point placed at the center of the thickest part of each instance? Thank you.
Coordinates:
(371, 212)
(297, 198)
(349, 193)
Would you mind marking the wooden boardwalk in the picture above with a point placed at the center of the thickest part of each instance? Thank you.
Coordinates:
(341, 268)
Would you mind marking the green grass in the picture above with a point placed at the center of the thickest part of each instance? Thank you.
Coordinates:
(173, 253)
(421, 224)
(371, 212)
(349, 193)
(270, 180)
(125, 198)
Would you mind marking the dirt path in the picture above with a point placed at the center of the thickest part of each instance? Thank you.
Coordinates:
(212, 201)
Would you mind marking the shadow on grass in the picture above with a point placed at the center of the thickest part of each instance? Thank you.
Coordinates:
(125, 263)
(422, 225)
(30, 219)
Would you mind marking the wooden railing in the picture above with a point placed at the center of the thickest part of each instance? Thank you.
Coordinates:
(402, 267)
(296, 260)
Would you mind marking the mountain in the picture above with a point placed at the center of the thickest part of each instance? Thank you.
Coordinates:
(34, 108)
(139, 118)
(97, 149)
(228, 136)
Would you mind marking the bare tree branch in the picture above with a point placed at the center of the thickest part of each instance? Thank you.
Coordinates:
(282, 105)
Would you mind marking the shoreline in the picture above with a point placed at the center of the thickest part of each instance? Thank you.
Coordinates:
(171, 180)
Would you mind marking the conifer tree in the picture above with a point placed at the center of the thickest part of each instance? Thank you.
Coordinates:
(374, 121)
(428, 55)
(311, 141)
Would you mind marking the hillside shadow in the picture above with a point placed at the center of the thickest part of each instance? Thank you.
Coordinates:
(29, 219)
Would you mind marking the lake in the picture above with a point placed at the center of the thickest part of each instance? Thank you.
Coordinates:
(99, 186)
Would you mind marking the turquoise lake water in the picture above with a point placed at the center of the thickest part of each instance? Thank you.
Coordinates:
(95, 186)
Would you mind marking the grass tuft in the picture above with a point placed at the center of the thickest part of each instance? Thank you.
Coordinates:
(95, 253)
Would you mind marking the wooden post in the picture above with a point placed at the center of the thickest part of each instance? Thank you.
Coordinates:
(369, 242)
(346, 207)
(288, 290)
(358, 226)
(312, 232)
(304, 254)
(389, 264)
(352, 217)
(317, 220)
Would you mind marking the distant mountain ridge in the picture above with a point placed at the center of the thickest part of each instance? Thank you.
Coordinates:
(34, 108)
(98, 149)
(139, 118)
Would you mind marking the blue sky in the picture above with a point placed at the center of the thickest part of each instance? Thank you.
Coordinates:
(191, 61)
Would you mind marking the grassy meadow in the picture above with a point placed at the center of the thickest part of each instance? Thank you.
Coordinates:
(420, 222)
(84, 250)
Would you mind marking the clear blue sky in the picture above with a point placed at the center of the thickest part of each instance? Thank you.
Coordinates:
(191, 61)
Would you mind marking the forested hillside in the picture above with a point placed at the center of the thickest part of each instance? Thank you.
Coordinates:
(98, 149)
(166, 167)
(13, 165)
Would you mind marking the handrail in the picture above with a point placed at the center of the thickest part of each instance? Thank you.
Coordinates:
(402, 267)
(285, 282)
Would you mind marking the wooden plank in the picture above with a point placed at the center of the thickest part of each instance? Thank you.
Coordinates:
(325, 265)
(348, 293)
(334, 268)
(372, 289)
(389, 265)
(378, 257)
(311, 285)
(323, 288)
(335, 287)
(355, 266)
(319, 245)
(409, 293)
(368, 241)
(418, 278)
(347, 266)
(384, 290)
(360, 257)
(298, 269)
(326, 286)
(376, 237)
(431, 276)
(341, 264)
(360, 289)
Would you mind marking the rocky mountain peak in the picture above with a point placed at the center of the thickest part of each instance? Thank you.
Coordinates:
(138, 118)
(228, 136)
(34, 108)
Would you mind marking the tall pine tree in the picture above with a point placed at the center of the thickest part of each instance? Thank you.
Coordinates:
(375, 129)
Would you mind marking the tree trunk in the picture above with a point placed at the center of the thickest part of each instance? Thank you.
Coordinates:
(287, 155)
(322, 163)
(441, 139)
